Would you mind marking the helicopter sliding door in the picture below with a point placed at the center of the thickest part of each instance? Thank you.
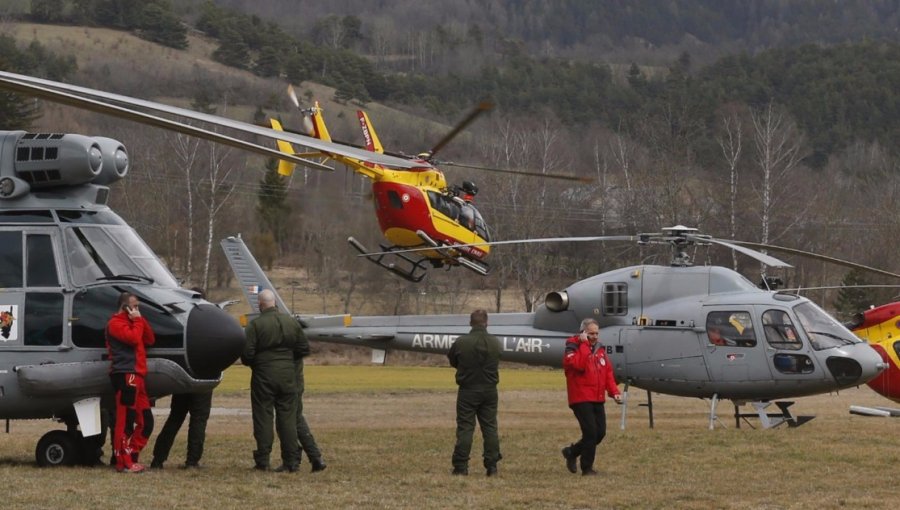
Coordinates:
(788, 354)
(32, 304)
(734, 350)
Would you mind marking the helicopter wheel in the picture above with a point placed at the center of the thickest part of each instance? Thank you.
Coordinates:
(57, 448)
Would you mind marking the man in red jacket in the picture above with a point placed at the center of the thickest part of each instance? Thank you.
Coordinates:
(589, 378)
(127, 336)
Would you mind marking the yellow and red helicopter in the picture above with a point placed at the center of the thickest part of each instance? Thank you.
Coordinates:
(415, 206)
(880, 326)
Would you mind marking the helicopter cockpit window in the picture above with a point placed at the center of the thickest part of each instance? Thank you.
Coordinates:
(734, 329)
(823, 331)
(780, 331)
(43, 322)
(92, 308)
(10, 259)
(97, 253)
(480, 226)
(615, 299)
(40, 264)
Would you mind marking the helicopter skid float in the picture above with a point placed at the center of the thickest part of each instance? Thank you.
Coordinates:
(692, 331)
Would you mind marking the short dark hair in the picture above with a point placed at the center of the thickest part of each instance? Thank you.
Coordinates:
(478, 318)
(123, 299)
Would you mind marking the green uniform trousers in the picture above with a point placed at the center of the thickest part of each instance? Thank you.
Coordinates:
(480, 404)
(198, 405)
(274, 389)
(307, 441)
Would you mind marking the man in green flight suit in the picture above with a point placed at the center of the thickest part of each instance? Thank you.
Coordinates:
(274, 343)
(304, 435)
(476, 357)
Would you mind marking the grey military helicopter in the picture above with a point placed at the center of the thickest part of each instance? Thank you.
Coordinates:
(65, 257)
(685, 330)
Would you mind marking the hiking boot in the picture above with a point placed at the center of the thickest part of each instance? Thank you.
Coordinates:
(318, 465)
(460, 471)
(571, 460)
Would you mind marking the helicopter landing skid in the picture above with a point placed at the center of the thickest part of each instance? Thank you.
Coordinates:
(454, 255)
(414, 270)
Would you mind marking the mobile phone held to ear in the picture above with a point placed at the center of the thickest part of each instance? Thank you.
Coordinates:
(582, 336)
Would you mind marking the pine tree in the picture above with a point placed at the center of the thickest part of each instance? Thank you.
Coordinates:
(852, 299)
(272, 204)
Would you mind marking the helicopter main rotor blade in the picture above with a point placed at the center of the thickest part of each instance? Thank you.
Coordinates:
(481, 108)
(824, 258)
(64, 93)
(512, 241)
(152, 120)
(762, 257)
(566, 177)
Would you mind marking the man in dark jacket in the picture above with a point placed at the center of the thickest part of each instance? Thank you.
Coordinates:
(589, 377)
(274, 342)
(476, 357)
(128, 335)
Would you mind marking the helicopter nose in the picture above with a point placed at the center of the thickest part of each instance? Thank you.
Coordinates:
(859, 364)
(214, 341)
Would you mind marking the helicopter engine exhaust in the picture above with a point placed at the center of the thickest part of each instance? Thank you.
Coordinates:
(115, 161)
(49, 160)
(557, 301)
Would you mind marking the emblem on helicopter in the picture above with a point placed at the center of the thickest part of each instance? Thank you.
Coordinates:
(7, 324)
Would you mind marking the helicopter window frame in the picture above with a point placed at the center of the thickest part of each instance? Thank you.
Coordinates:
(780, 331)
(46, 309)
(615, 298)
(12, 259)
(40, 260)
(790, 363)
(394, 199)
(444, 205)
(819, 326)
(98, 251)
(14, 217)
(731, 328)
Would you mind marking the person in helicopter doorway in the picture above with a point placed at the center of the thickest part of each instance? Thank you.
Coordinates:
(128, 335)
(198, 405)
(589, 378)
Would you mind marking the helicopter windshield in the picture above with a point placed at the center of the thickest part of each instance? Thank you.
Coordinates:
(112, 253)
(471, 219)
(823, 331)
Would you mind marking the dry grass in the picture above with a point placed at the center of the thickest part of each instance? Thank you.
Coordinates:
(387, 434)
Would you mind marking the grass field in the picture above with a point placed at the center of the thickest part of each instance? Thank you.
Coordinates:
(387, 434)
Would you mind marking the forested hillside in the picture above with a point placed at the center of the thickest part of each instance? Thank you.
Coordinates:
(791, 139)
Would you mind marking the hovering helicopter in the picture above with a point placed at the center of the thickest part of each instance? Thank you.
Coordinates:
(693, 331)
(442, 214)
(66, 258)
(415, 207)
